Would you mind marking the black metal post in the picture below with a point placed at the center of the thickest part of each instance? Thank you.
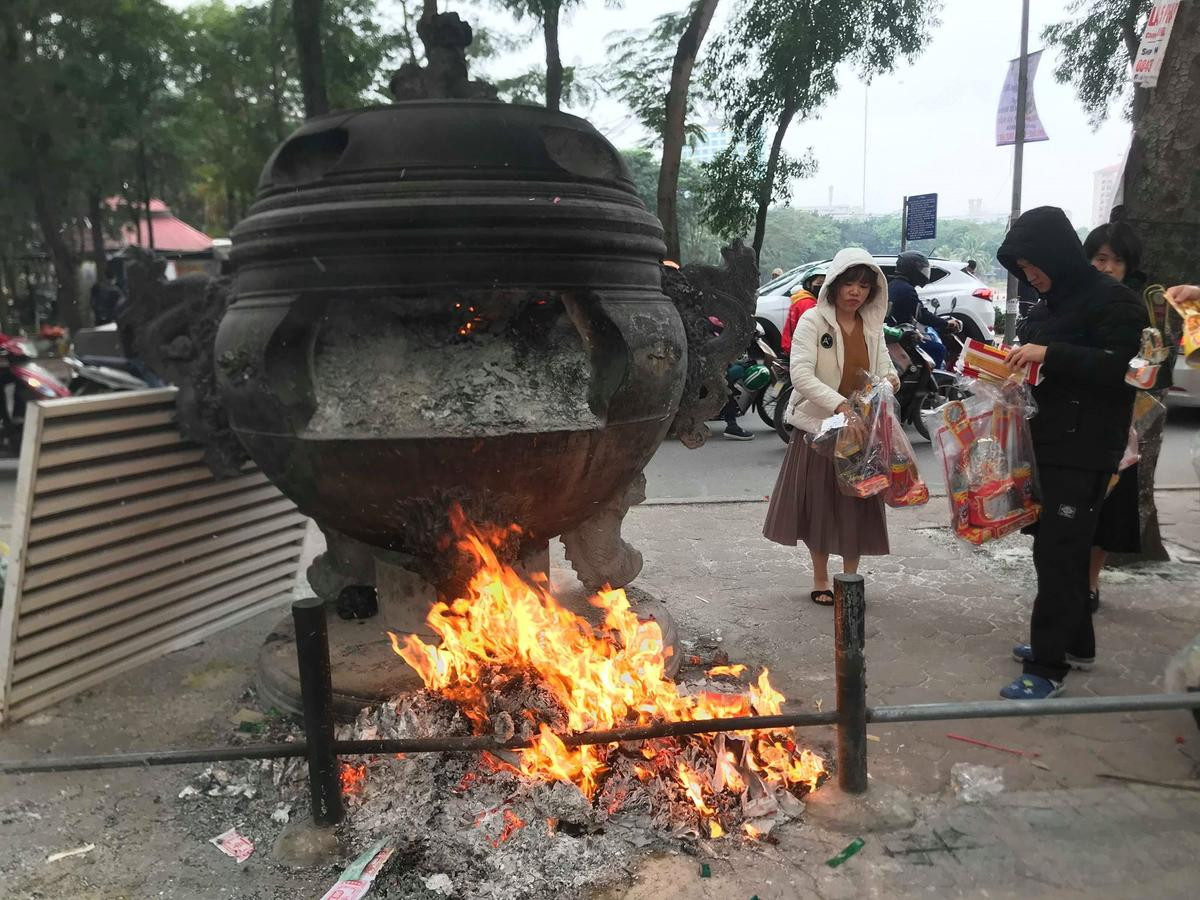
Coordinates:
(849, 637)
(316, 692)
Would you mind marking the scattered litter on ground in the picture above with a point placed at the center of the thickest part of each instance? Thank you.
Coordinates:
(246, 716)
(218, 782)
(233, 844)
(64, 854)
(1040, 764)
(974, 784)
(978, 743)
(873, 737)
(1112, 776)
(282, 814)
(705, 870)
(848, 851)
(440, 884)
(356, 878)
(1183, 669)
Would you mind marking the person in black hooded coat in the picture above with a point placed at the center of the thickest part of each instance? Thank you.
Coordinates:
(1084, 335)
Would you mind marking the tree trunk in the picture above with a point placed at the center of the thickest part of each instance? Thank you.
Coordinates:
(144, 174)
(8, 292)
(307, 17)
(764, 196)
(1162, 196)
(554, 66)
(276, 88)
(65, 276)
(676, 120)
(99, 255)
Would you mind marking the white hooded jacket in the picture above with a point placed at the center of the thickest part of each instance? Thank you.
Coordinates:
(818, 351)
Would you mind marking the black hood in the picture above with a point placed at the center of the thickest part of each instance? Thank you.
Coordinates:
(1044, 236)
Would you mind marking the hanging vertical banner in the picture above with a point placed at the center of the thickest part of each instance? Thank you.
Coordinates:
(1006, 115)
(1154, 43)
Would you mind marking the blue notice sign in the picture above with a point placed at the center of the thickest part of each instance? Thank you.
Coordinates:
(921, 221)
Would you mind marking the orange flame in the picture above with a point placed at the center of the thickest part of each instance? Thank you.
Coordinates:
(734, 670)
(602, 678)
(512, 824)
(353, 778)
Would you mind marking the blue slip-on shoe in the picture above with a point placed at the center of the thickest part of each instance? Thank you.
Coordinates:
(1032, 687)
(1023, 653)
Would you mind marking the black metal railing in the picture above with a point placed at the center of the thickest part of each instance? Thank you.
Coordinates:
(850, 718)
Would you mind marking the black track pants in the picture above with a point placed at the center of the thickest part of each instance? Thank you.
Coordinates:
(1062, 547)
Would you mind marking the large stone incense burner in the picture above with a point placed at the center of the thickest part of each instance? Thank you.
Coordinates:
(454, 304)
(449, 302)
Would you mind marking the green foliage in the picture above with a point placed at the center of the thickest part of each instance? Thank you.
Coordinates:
(531, 87)
(207, 92)
(736, 180)
(639, 73)
(781, 59)
(579, 87)
(696, 242)
(1095, 49)
(796, 236)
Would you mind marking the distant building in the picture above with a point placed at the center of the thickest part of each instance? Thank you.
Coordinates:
(716, 139)
(841, 211)
(1105, 183)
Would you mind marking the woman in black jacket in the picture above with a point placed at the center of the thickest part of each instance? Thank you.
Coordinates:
(1116, 250)
(1084, 336)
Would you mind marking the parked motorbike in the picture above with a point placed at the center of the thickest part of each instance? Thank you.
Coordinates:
(923, 386)
(103, 375)
(29, 381)
(757, 377)
(766, 400)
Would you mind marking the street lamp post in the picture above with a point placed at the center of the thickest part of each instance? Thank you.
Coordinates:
(1011, 307)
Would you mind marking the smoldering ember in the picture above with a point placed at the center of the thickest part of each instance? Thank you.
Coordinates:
(415, 495)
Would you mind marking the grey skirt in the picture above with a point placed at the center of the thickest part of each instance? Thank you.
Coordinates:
(806, 506)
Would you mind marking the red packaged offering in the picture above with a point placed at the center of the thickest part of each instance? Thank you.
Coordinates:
(986, 452)
(871, 453)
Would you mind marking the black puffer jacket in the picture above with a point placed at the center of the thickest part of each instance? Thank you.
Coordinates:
(1091, 326)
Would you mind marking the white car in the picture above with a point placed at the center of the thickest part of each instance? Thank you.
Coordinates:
(1185, 385)
(950, 291)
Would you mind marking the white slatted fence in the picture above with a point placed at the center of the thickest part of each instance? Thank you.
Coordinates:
(125, 547)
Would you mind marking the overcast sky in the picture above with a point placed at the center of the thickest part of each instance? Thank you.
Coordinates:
(931, 125)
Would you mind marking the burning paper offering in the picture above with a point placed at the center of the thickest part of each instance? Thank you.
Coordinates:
(508, 638)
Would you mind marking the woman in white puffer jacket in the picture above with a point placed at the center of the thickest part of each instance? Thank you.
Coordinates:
(834, 344)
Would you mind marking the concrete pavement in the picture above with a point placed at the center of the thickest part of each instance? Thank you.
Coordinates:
(942, 618)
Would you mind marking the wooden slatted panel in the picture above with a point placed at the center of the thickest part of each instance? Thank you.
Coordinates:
(125, 547)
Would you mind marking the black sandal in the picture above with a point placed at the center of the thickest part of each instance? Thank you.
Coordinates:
(818, 595)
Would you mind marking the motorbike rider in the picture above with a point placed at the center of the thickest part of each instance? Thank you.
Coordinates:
(905, 307)
(804, 299)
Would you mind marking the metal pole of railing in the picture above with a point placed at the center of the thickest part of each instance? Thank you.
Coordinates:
(316, 692)
(921, 712)
(849, 638)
